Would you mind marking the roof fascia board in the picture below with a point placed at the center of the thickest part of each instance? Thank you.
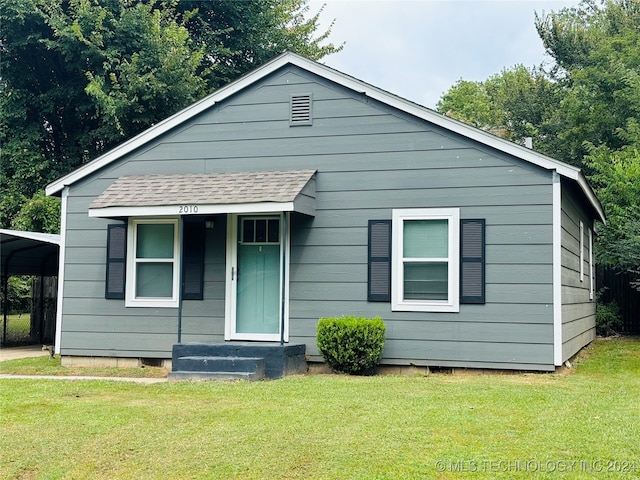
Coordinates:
(174, 210)
(436, 118)
(593, 199)
(40, 237)
(455, 126)
(166, 125)
(347, 81)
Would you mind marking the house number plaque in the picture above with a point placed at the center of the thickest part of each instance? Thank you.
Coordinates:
(187, 209)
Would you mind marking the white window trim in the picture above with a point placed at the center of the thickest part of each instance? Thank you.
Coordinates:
(581, 251)
(452, 215)
(156, 302)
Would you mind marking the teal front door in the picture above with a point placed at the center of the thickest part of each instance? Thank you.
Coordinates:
(257, 278)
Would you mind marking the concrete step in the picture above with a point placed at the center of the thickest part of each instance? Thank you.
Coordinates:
(213, 376)
(214, 363)
(279, 359)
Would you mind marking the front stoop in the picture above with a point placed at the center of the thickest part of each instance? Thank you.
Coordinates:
(236, 360)
(218, 368)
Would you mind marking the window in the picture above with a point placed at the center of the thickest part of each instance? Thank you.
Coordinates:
(260, 230)
(425, 260)
(152, 263)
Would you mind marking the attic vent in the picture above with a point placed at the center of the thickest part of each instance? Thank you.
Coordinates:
(300, 109)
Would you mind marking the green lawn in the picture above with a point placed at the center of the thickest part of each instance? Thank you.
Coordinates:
(44, 365)
(18, 328)
(574, 425)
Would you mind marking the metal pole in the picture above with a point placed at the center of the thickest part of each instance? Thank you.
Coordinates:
(180, 286)
(5, 306)
(283, 276)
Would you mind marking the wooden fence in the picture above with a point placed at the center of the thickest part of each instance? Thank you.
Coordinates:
(616, 286)
(44, 294)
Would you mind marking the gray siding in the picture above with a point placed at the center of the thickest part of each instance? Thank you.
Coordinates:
(578, 310)
(370, 159)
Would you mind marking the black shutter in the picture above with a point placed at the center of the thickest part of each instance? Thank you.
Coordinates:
(472, 261)
(379, 272)
(116, 260)
(193, 260)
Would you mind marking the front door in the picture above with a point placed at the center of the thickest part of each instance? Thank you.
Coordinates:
(256, 286)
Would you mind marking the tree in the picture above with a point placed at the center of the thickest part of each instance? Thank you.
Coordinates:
(596, 49)
(616, 180)
(40, 214)
(237, 36)
(470, 103)
(583, 110)
(514, 104)
(80, 76)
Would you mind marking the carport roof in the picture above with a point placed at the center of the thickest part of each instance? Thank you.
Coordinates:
(29, 253)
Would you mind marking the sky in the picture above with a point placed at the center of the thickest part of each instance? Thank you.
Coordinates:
(418, 49)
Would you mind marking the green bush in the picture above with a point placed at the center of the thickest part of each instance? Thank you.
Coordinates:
(351, 345)
(608, 319)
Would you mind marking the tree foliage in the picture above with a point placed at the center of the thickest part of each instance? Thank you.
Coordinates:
(616, 178)
(80, 76)
(514, 104)
(237, 36)
(583, 110)
(40, 214)
(596, 50)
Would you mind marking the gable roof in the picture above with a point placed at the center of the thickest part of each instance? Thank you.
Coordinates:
(289, 58)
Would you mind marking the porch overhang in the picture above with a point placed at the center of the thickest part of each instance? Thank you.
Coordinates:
(207, 194)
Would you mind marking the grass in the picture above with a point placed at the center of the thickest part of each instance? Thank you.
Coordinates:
(51, 367)
(18, 328)
(331, 426)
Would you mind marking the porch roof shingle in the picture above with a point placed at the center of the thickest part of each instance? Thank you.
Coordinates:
(214, 189)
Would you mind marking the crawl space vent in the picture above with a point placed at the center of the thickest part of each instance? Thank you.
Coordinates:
(300, 109)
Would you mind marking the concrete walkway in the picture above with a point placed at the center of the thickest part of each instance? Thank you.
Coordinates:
(13, 353)
(59, 377)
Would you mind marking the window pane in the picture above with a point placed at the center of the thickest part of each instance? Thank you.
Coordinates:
(247, 230)
(154, 280)
(425, 239)
(274, 230)
(426, 281)
(261, 231)
(155, 240)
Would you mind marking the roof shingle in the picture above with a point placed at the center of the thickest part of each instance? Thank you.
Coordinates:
(204, 189)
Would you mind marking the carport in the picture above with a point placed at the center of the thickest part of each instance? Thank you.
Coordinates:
(35, 254)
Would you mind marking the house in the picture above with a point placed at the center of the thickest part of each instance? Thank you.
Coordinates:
(299, 192)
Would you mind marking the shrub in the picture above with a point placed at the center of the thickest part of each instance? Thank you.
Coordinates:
(351, 345)
(608, 319)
